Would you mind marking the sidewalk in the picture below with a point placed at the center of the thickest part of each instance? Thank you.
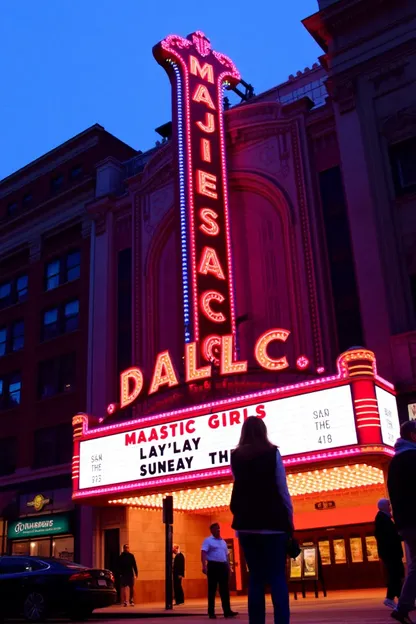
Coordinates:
(339, 607)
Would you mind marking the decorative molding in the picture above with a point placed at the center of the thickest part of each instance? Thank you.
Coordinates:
(47, 168)
(394, 70)
(86, 228)
(101, 224)
(342, 93)
(400, 125)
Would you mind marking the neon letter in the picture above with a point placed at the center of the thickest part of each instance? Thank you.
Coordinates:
(135, 376)
(209, 125)
(164, 373)
(206, 298)
(193, 373)
(206, 72)
(208, 346)
(210, 263)
(260, 350)
(228, 366)
(209, 225)
(202, 95)
(206, 150)
(207, 184)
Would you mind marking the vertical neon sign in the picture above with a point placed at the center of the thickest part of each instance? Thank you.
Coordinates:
(198, 75)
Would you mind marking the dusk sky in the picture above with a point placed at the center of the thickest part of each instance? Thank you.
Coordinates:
(67, 64)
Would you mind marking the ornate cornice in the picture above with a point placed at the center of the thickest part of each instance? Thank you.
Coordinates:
(400, 125)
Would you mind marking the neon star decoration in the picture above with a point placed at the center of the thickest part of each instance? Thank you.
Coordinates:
(198, 75)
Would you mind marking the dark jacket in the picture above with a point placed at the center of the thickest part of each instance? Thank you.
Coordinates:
(256, 502)
(401, 484)
(179, 565)
(389, 542)
(127, 564)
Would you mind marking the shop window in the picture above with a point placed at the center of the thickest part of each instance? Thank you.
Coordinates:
(8, 455)
(57, 375)
(53, 446)
(63, 548)
(371, 548)
(325, 552)
(10, 391)
(339, 551)
(62, 270)
(403, 165)
(356, 548)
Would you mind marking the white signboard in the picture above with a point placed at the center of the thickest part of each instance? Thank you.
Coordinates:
(310, 422)
(389, 416)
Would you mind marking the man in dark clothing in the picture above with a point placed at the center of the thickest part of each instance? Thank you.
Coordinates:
(178, 575)
(128, 572)
(402, 490)
(389, 546)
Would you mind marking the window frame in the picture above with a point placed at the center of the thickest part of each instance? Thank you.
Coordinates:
(6, 381)
(61, 320)
(63, 269)
(57, 375)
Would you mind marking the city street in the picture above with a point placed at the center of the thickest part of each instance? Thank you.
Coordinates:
(341, 608)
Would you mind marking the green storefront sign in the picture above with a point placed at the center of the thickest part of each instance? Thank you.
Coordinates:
(38, 526)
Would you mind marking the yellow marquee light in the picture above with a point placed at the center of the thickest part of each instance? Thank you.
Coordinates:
(300, 484)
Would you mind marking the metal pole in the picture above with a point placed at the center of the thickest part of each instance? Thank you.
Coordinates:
(168, 567)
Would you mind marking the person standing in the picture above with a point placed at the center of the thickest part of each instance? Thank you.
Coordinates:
(263, 518)
(216, 565)
(401, 484)
(178, 575)
(128, 573)
(389, 546)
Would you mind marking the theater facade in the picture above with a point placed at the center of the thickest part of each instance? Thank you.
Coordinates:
(211, 303)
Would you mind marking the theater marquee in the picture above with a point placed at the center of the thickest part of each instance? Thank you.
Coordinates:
(343, 415)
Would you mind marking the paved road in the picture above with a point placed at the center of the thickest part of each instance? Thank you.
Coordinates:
(346, 611)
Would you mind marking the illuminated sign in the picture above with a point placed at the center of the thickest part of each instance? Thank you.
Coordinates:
(314, 421)
(164, 372)
(38, 502)
(389, 416)
(198, 75)
(56, 524)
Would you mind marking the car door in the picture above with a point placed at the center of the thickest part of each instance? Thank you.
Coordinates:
(13, 573)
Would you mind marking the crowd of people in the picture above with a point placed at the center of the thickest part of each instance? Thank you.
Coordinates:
(263, 520)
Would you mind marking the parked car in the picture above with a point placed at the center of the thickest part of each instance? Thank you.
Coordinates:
(36, 587)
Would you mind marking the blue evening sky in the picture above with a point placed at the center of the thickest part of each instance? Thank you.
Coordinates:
(67, 64)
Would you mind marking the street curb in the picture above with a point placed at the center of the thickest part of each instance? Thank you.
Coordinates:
(129, 615)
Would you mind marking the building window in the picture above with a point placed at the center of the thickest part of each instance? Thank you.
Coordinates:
(76, 172)
(60, 320)
(8, 455)
(12, 209)
(18, 336)
(403, 164)
(3, 341)
(10, 391)
(22, 288)
(13, 291)
(53, 446)
(73, 263)
(57, 183)
(57, 376)
(27, 200)
(71, 316)
(345, 298)
(62, 270)
(12, 338)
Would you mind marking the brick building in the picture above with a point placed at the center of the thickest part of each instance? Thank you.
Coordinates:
(44, 316)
